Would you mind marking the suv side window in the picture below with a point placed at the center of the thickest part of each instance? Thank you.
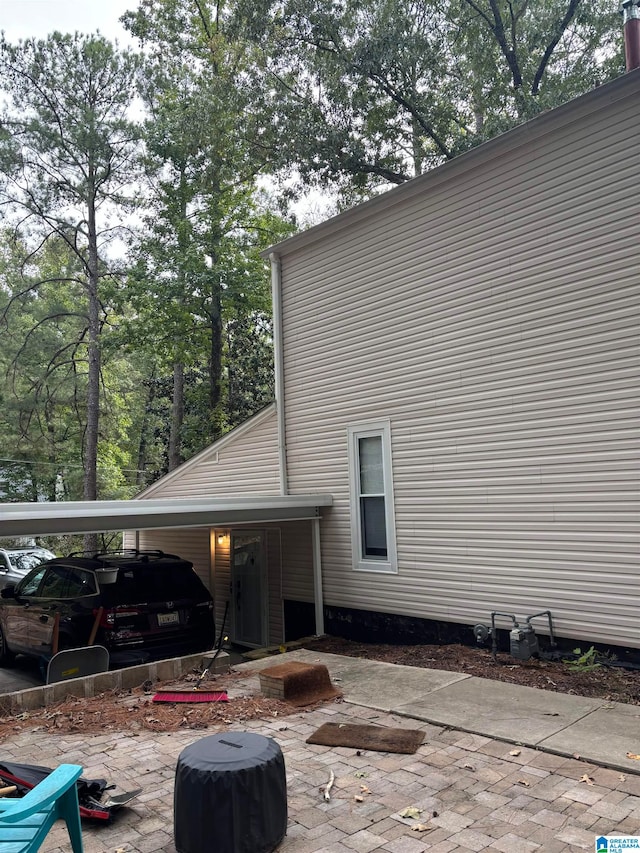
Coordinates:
(164, 583)
(29, 586)
(67, 582)
(81, 583)
(55, 583)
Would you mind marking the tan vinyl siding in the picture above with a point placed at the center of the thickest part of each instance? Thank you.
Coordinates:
(297, 562)
(493, 319)
(244, 462)
(274, 579)
(190, 544)
(222, 581)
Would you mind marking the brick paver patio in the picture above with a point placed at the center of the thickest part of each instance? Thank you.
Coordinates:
(473, 792)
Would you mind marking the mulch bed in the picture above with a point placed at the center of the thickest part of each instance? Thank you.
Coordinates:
(611, 683)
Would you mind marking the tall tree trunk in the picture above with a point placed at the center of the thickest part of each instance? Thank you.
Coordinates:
(144, 427)
(215, 324)
(52, 478)
(215, 355)
(416, 145)
(177, 405)
(90, 482)
(177, 416)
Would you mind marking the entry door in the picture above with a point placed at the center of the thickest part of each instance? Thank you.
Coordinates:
(249, 588)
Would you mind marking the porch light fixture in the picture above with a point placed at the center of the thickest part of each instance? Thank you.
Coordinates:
(222, 538)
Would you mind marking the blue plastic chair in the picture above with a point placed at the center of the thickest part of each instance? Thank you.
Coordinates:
(25, 822)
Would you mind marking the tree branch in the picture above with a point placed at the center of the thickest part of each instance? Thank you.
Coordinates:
(566, 20)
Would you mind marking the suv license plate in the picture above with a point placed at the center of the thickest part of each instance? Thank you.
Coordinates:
(168, 618)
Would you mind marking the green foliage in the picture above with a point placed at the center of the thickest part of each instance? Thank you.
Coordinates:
(362, 94)
(584, 662)
(199, 290)
(44, 372)
(115, 372)
(65, 165)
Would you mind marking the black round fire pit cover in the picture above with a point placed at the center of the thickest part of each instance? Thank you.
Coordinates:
(230, 795)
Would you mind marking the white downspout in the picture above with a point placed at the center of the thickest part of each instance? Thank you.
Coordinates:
(276, 297)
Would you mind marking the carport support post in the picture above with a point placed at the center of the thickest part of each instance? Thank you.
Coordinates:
(317, 576)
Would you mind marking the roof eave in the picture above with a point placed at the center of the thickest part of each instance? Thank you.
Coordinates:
(47, 519)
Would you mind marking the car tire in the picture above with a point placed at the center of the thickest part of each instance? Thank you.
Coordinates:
(7, 657)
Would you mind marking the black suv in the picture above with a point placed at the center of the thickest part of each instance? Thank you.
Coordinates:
(140, 605)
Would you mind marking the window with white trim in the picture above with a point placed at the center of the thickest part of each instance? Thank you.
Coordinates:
(373, 535)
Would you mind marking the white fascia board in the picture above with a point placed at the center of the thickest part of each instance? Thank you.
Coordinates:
(34, 519)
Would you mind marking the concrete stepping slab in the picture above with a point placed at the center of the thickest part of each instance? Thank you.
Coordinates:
(498, 709)
(371, 683)
(604, 736)
(385, 686)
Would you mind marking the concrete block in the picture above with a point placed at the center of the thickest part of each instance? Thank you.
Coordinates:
(28, 700)
(59, 691)
(134, 676)
(297, 682)
(102, 682)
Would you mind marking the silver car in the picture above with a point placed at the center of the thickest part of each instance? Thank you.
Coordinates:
(15, 563)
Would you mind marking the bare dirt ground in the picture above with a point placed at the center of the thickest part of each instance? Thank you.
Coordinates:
(133, 710)
(610, 683)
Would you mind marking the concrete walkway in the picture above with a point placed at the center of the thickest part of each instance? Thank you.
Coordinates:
(474, 790)
(598, 731)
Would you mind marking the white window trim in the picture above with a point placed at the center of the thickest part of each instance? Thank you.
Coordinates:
(360, 562)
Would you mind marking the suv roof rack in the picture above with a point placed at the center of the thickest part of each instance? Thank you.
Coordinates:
(124, 553)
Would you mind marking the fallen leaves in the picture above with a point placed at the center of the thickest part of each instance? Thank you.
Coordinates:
(587, 779)
(524, 783)
(411, 812)
(359, 798)
(634, 756)
(128, 710)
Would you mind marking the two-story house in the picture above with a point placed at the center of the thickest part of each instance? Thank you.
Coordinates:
(457, 372)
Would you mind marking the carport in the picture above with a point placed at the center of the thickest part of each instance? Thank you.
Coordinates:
(216, 519)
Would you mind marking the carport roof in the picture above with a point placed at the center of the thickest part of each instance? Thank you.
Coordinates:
(38, 519)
